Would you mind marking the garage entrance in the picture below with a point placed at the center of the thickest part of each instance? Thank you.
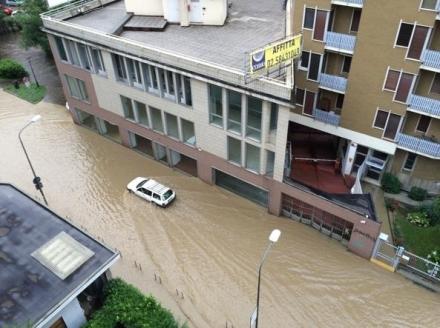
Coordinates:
(183, 163)
(141, 144)
(241, 188)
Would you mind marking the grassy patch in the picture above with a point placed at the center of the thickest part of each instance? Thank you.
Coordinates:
(33, 94)
(418, 240)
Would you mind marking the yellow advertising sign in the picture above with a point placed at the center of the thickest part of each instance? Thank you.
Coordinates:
(276, 54)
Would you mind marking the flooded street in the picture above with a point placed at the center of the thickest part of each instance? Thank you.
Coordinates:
(199, 257)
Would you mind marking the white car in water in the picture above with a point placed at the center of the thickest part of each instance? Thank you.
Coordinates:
(152, 191)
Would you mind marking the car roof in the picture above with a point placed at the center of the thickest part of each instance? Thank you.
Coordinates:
(155, 186)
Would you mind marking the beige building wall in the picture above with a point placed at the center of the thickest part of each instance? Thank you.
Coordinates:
(145, 7)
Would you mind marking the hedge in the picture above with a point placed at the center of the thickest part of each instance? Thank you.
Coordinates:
(390, 183)
(418, 194)
(11, 69)
(126, 306)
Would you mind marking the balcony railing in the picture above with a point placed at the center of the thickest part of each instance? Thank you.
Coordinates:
(326, 117)
(424, 105)
(431, 59)
(340, 42)
(419, 145)
(350, 3)
(333, 83)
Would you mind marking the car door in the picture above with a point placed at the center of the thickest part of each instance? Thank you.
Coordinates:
(144, 193)
(156, 199)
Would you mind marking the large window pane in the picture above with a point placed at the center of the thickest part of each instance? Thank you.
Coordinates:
(234, 150)
(392, 80)
(127, 106)
(142, 113)
(156, 119)
(97, 60)
(215, 105)
(309, 18)
(423, 124)
(121, 72)
(429, 4)
(73, 53)
(418, 42)
(82, 50)
(61, 50)
(188, 96)
(273, 117)
(188, 133)
(77, 88)
(172, 127)
(392, 126)
(381, 119)
(234, 111)
(404, 87)
(252, 158)
(315, 61)
(254, 115)
(320, 25)
(404, 35)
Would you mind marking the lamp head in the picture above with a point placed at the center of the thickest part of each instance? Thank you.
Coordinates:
(274, 235)
(35, 118)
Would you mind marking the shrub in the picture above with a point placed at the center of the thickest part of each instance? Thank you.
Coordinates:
(418, 194)
(434, 256)
(390, 183)
(10, 69)
(434, 211)
(126, 306)
(419, 219)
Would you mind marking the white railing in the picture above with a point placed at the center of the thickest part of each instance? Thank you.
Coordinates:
(340, 42)
(326, 117)
(357, 187)
(333, 82)
(431, 58)
(351, 3)
(418, 145)
(426, 105)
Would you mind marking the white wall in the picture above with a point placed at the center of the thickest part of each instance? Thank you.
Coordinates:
(215, 12)
(145, 7)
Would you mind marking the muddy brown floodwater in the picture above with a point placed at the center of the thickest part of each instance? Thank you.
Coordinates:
(206, 247)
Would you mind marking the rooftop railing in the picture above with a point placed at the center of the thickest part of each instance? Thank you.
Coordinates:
(326, 117)
(419, 145)
(425, 105)
(340, 42)
(333, 82)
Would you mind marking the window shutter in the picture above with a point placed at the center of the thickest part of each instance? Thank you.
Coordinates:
(392, 126)
(404, 87)
(418, 41)
(309, 103)
(315, 62)
(320, 22)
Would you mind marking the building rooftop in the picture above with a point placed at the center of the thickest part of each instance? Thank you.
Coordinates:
(249, 25)
(29, 289)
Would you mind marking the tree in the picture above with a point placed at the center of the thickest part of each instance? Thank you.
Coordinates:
(31, 24)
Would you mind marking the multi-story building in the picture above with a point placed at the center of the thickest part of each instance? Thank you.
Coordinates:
(369, 75)
(168, 79)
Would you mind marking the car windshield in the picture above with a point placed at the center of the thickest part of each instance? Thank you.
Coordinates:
(167, 194)
(141, 184)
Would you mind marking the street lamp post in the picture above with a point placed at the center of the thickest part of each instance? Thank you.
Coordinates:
(273, 238)
(37, 180)
(32, 70)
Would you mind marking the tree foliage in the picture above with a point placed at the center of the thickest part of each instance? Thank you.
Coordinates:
(31, 24)
(11, 69)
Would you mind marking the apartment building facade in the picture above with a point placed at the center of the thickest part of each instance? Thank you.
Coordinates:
(178, 94)
(371, 73)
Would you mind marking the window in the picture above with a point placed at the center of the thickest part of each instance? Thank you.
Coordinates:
(71, 48)
(299, 100)
(61, 50)
(428, 4)
(435, 86)
(77, 88)
(234, 111)
(142, 114)
(156, 119)
(392, 79)
(314, 68)
(418, 42)
(183, 87)
(320, 25)
(346, 65)
(172, 126)
(381, 119)
(392, 126)
(270, 163)
(273, 117)
(309, 18)
(423, 124)
(254, 116)
(215, 105)
(84, 56)
(97, 60)
(170, 82)
(187, 93)
(309, 103)
(252, 158)
(127, 106)
(121, 72)
(234, 150)
(305, 57)
(410, 162)
(404, 35)
(339, 101)
(188, 133)
(161, 79)
(404, 87)
(355, 20)
(134, 71)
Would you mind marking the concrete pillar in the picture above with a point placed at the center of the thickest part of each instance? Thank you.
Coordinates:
(350, 154)
(73, 315)
(125, 137)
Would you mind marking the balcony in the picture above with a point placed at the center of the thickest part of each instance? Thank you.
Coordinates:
(339, 42)
(349, 3)
(424, 105)
(418, 145)
(431, 60)
(326, 117)
(333, 83)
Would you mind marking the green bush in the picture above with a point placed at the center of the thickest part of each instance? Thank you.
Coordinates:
(126, 306)
(390, 183)
(10, 69)
(434, 211)
(418, 194)
(420, 219)
(434, 256)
